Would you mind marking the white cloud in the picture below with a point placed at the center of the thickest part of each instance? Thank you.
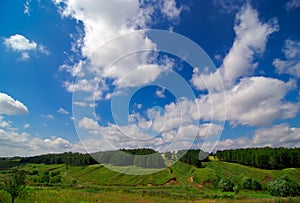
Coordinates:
(170, 9)
(3, 123)
(251, 39)
(254, 101)
(101, 24)
(62, 111)
(27, 7)
(19, 43)
(54, 144)
(228, 6)
(27, 125)
(142, 75)
(278, 135)
(160, 92)
(10, 106)
(88, 124)
(292, 4)
(281, 135)
(291, 65)
(47, 116)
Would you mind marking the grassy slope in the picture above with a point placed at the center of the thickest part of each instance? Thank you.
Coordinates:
(136, 188)
(208, 176)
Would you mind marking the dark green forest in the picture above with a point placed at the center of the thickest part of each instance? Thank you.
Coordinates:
(264, 158)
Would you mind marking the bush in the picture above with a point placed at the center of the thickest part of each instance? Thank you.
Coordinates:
(225, 185)
(250, 184)
(236, 189)
(256, 185)
(284, 187)
(247, 183)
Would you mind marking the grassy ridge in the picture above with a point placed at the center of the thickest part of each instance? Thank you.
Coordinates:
(208, 176)
(97, 182)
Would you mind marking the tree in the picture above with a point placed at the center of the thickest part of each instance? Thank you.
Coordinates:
(168, 155)
(225, 185)
(236, 189)
(284, 187)
(15, 184)
(247, 183)
(250, 184)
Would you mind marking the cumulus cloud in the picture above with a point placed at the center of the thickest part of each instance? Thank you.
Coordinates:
(88, 124)
(27, 8)
(278, 135)
(292, 4)
(4, 124)
(160, 92)
(48, 116)
(291, 65)
(281, 135)
(228, 6)
(13, 143)
(10, 106)
(100, 25)
(62, 111)
(21, 44)
(251, 39)
(255, 101)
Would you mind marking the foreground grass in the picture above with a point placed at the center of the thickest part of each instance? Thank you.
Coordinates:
(130, 195)
(97, 183)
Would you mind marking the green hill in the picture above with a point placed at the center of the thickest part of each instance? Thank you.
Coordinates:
(179, 182)
(180, 174)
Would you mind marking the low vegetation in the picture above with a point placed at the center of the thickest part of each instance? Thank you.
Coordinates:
(187, 179)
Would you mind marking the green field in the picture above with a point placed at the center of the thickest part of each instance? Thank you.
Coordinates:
(179, 183)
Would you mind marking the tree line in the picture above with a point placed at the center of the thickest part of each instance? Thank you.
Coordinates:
(142, 157)
(123, 157)
(264, 158)
(193, 157)
(68, 158)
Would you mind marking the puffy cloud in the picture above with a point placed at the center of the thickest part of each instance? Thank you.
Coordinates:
(48, 116)
(254, 101)
(160, 92)
(251, 39)
(170, 9)
(88, 124)
(19, 43)
(27, 7)
(291, 65)
(281, 135)
(100, 25)
(292, 4)
(62, 111)
(141, 75)
(228, 6)
(3, 123)
(278, 135)
(54, 144)
(10, 106)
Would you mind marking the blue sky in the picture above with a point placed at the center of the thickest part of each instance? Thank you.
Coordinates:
(63, 89)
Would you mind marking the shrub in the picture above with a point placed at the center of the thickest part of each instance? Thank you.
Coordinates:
(250, 184)
(256, 185)
(284, 187)
(225, 185)
(247, 183)
(236, 189)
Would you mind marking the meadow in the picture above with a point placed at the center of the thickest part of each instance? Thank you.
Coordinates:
(178, 183)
